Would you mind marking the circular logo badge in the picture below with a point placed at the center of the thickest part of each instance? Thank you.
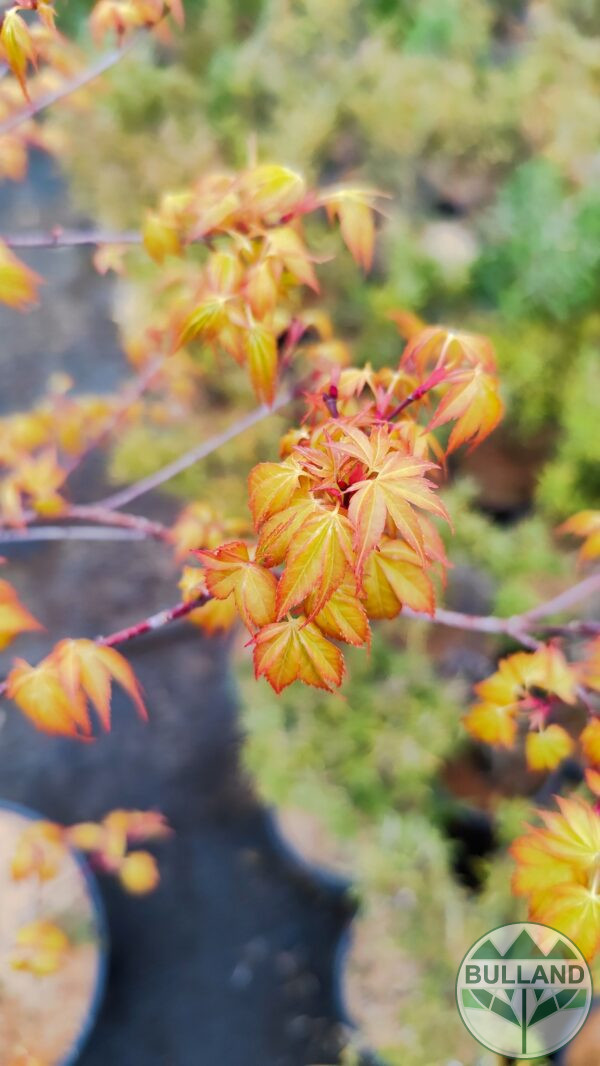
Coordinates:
(524, 990)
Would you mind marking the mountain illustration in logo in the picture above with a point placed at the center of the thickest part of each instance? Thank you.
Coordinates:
(524, 947)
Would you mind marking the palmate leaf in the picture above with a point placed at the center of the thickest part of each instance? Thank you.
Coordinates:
(296, 650)
(318, 558)
(343, 617)
(278, 531)
(474, 403)
(14, 617)
(271, 487)
(393, 577)
(399, 488)
(229, 570)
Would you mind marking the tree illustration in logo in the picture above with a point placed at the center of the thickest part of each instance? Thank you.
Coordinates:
(524, 1007)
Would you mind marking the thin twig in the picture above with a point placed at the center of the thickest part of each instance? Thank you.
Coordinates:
(478, 623)
(194, 455)
(438, 375)
(36, 533)
(104, 517)
(84, 78)
(581, 627)
(590, 586)
(155, 621)
(58, 237)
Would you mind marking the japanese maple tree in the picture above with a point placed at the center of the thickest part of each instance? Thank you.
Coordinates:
(342, 526)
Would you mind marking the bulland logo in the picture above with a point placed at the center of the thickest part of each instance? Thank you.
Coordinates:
(524, 990)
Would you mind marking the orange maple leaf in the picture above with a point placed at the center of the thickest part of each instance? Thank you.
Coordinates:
(546, 749)
(444, 347)
(519, 680)
(40, 693)
(354, 209)
(55, 693)
(16, 45)
(318, 557)
(585, 524)
(18, 284)
(559, 872)
(296, 650)
(271, 487)
(14, 618)
(88, 669)
(395, 486)
(394, 576)
(343, 617)
(231, 572)
(473, 401)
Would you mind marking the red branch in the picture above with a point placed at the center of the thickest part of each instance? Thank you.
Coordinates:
(155, 621)
(104, 517)
(438, 375)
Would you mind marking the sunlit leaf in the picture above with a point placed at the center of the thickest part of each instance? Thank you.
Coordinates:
(343, 617)
(230, 571)
(294, 650)
(40, 693)
(271, 487)
(88, 669)
(585, 524)
(319, 555)
(14, 618)
(18, 284)
(394, 576)
(473, 402)
(546, 749)
(16, 45)
(492, 723)
(260, 347)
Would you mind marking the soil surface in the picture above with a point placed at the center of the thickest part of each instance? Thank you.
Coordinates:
(44, 1015)
(230, 960)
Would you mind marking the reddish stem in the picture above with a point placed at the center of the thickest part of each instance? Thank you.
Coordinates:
(105, 517)
(155, 621)
(434, 379)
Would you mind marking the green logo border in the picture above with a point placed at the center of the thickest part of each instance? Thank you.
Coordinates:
(507, 925)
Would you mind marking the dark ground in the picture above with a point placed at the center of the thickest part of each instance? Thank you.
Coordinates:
(229, 963)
